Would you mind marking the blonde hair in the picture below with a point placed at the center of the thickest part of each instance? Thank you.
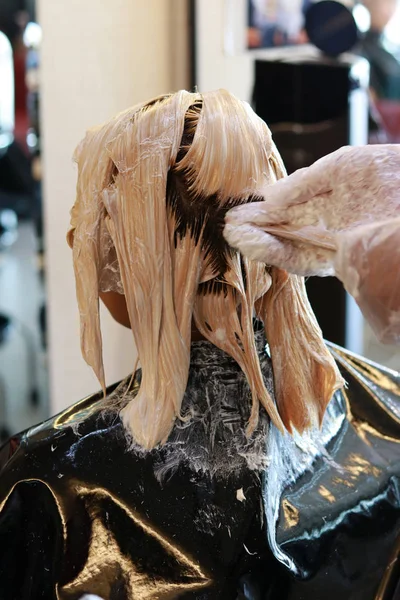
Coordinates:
(153, 188)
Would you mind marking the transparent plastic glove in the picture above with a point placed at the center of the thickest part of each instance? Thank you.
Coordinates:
(367, 261)
(308, 221)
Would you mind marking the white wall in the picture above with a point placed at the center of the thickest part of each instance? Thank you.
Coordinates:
(98, 58)
(215, 67)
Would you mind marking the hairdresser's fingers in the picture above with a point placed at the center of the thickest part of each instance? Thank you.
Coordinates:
(349, 187)
(286, 193)
(315, 212)
(284, 202)
(368, 263)
(257, 245)
(295, 258)
(258, 213)
(303, 197)
(306, 183)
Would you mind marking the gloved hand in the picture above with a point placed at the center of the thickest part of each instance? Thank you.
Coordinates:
(341, 216)
(367, 261)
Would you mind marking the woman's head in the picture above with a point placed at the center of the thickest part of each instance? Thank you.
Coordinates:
(153, 188)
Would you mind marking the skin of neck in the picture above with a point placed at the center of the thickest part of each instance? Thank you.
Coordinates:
(116, 305)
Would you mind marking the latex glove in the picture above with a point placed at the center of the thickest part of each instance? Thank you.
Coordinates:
(319, 221)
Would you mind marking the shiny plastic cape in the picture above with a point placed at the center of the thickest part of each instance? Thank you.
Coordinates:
(81, 512)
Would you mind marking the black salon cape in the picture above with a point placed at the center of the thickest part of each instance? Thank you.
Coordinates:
(81, 514)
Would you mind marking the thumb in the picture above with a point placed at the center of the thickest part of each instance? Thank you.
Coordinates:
(298, 259)
(282, 197)
(273, 209)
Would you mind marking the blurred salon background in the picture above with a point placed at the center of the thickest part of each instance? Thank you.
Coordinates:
(322, 74)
